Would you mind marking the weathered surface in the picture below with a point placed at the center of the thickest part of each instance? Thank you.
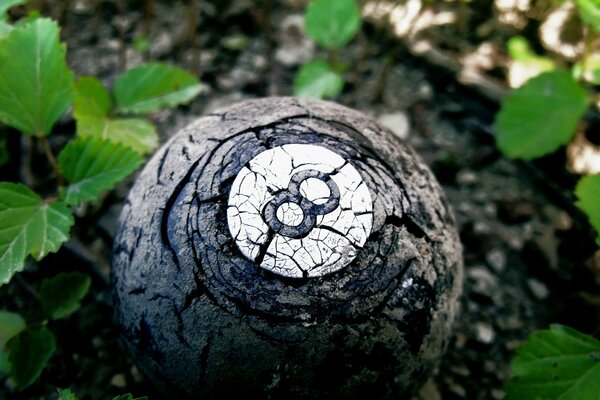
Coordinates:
(208, 315)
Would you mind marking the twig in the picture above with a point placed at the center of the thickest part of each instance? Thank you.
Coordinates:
(52, 160)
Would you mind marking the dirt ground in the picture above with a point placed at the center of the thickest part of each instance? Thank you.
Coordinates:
(529, 253)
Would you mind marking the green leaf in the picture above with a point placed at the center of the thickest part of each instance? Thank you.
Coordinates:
(138, 134)
(66, 394)
(28, 226)
(539, 117)
(150, 87)
(588, 195)
(10, 325)
(60, 295)
(129, 396)
(4, 29)
(5, 5)
(560, 363)
(525, 63)
(332, 23)
(91, 108)
(36, 86)
(589, 12)
(317, 79)
(29, 353)
(91, 98)
(592, 69)
(92, 165)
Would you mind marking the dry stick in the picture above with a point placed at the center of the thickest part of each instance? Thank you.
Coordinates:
(147, 24)
(192, 30)
(52, 160)
(25, 173)
(19, 279)
(121, 29)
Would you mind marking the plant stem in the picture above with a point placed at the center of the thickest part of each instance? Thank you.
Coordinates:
(589, 39)
(52, 160)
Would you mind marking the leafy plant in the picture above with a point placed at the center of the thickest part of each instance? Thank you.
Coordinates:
(332, 24)
(544, 114)
(26, 350)
(558, 363)
(67, 394)
(108, 147)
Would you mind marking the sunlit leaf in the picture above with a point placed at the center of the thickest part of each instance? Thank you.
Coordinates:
(92, 165)
(4, 29)
(556, 364)
(589, 11)
(66, 394)
(592, 69)
(151, 87)
(60, 295)
(29, 353)
(28, 225)
(10, 325)
(36, 86)
(91, 98)
(318, 80)
(129, 396)
(138, 134)
(588, 195)
(332, 23)
(525, 63)
(539, 117)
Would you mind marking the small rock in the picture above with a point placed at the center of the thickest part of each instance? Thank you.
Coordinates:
(396, 122)
(430, 391)
(497, 394)
(496, 259)
(466, 177)
(119, 381)
(294, 47)
(538, 288)
(484, 333)
(482, 281)
(458, 390)
(515, 212)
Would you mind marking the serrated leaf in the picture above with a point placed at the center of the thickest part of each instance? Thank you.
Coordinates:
(66, 394)
(588, 195)
(92, 165)
(37, 87)
(138, 134)
(28, 226)
(332, 23)
(318, 80)
(589, 12)
(91, 98)
(540, 116)
(5, 5)
(149, 87)
(29, 353)
(10, 325)
(129, 396)
(60, 295)
(560, 363)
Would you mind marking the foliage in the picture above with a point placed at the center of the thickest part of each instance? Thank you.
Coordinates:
(67, 394)
(150, 87)
(92, 165)
(589, 12)
(40, 88)
(332, 24)
(29, 352)
(317, 79)
(109, 146)
(10, 325)
(559, 363)
(539, 117)
(588, 194)
(60, 296)
(29, 226)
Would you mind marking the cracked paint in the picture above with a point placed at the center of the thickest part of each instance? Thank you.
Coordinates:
(300, 210)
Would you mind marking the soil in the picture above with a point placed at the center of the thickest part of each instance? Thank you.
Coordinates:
(529, 253)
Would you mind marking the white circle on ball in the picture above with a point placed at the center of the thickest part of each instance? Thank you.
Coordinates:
(300, 210)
